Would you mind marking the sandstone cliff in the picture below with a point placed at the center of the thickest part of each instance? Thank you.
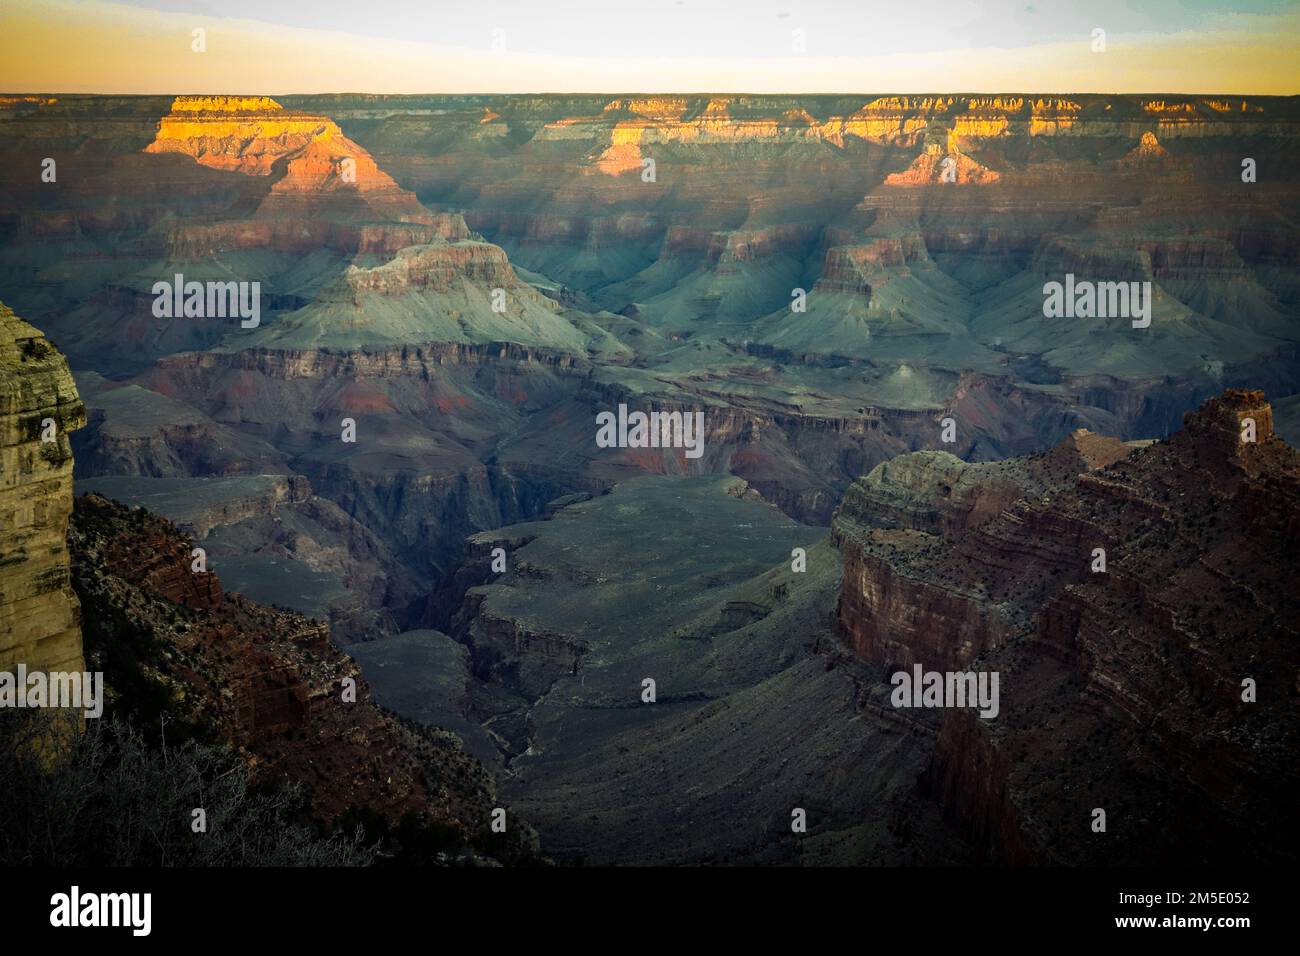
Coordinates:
(39, 615)
(326, 190)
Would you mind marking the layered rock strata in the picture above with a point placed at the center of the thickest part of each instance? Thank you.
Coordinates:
(1138, 605)
(40, 619)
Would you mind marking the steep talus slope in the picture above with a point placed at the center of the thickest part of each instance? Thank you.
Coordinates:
(215, 665)
(1123, 689)
(276, 541)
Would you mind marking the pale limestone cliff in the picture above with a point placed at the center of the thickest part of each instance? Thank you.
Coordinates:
(40, 619)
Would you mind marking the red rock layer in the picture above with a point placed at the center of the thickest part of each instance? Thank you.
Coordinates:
(1120, 690)
(268, 681)
(327, 190)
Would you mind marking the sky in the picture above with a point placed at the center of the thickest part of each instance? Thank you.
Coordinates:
(724, 46)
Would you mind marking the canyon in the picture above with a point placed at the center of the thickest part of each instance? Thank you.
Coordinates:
(848, 293)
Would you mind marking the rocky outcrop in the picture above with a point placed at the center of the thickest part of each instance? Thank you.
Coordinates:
(255, 136)
(39, 614)
(266, 681)
(1160, 686)
(198, 512)
(851, 269)
(900, 621)
(714, 247)
(943, 162)
(1148, 152)
(327, 191)
(303, 235)
(918, 531)
(930, 491)
(436, 267)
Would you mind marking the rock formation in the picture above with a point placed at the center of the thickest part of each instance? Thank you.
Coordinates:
(255, 136)
(325, 192)
(1148, 152)
(177, 648)
(942, 162)
(40, 619)
(921, 301)
(1124, 684)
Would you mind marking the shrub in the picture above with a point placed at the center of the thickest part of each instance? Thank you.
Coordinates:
(111, 799)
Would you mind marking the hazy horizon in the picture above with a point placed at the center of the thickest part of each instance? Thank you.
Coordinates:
(470, 94)
(387, 47)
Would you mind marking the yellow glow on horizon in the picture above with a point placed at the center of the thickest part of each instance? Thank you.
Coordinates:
(97, 47)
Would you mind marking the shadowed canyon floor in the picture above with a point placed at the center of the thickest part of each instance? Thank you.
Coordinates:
(851, 291)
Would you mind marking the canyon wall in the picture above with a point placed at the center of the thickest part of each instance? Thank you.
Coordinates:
(1159, 687)
(177, 648)
(40, 619)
